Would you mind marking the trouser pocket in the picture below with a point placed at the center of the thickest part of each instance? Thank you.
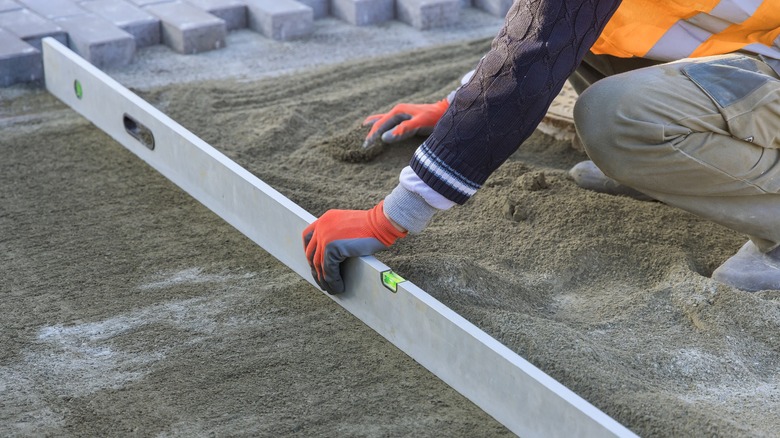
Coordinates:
(746, 93)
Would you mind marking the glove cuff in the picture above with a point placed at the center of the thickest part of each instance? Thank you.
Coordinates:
(382, 228)
(408, 209)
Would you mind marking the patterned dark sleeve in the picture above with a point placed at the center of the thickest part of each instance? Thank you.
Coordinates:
(540, 45)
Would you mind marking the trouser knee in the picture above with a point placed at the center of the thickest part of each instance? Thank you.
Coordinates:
(600, 121)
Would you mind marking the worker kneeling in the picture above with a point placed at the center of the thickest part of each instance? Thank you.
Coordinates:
(700, 135)
(679, 101)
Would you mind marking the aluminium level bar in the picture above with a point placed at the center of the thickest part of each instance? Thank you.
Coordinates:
(523, 398)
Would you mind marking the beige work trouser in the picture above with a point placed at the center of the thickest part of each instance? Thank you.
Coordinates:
(698, 134)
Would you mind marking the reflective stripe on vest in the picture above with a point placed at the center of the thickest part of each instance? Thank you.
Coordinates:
(667, 30)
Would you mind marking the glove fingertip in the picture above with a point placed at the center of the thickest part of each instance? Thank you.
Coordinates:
(372, 141)
(317, 280)
(395, 137)
(388, 137)
(373, 134)
(335, 287)
(372, 119)
(369, 144)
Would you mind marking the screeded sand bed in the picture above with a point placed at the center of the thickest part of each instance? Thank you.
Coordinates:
(128, 308)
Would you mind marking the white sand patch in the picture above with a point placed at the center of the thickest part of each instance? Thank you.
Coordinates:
(192, 276)
(77, 360)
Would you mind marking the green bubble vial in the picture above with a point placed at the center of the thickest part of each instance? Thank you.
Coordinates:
(390, 280)
(77, 88)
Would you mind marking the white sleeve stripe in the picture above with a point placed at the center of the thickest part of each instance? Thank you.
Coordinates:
(443, 172)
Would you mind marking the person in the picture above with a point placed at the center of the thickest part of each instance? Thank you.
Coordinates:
(679, 100)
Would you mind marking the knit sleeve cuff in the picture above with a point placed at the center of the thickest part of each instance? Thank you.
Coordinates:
(408, 209)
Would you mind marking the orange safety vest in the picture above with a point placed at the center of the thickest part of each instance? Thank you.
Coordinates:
(667, 30)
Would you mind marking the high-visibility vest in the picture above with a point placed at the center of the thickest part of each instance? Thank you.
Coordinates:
(668, 30)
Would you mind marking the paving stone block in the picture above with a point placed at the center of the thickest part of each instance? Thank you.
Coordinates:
(499, 8)
(363, 12)
(19, 61)
(232, 11)
(466, 3)
(321, 8)
(187, 29)
(98, 41)
(143, 26)
(280, 19)
(53, 8)
(9, 5)
(428, 14)
(31, 28)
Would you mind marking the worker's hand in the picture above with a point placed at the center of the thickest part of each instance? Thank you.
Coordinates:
(404, 121)
(339, 234)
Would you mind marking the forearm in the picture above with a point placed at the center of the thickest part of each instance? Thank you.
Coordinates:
(540, 45)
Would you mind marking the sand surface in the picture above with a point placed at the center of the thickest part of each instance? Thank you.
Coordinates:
(128, 308)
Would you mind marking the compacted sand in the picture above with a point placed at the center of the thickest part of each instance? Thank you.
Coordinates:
(128, 308)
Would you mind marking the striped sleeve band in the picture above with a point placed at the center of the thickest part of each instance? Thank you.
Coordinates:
(439, 176)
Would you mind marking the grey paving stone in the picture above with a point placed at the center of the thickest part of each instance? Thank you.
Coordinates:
(499, 8)
(31, 27)
(53, 8)
(143, 26)
(428, 14)
(363, 12)
(466, 3)
(19, 61)
(280, 19)
(321, 8)
(9, 5)
(98, 40)
(187, 29)
(232, 11)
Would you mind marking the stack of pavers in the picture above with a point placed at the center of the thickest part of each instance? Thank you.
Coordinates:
(108, 32)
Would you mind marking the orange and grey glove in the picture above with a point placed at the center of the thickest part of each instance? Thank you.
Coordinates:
(339, 234)
(404, 121)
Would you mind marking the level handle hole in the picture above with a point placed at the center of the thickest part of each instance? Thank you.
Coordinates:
(139, 132)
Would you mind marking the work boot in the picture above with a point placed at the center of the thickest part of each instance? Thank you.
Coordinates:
(588, 176)
(750, 269)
